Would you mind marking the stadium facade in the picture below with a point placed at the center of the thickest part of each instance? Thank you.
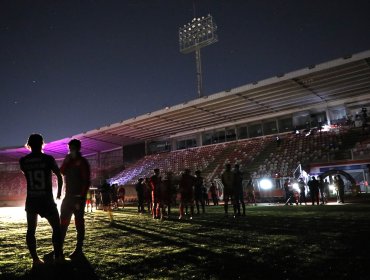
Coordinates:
(324, 105)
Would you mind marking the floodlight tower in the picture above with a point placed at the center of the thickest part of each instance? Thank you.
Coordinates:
(198, 33)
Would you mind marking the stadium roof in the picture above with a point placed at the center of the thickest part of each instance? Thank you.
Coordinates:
(341, 81)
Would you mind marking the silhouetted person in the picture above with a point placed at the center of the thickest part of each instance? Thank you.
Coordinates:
(76, 171)
(115, 196)
(155, 184)
(140, 188)
(198, 192)
(313, 186)
(38, 168)
(205, 195)
(227, 179)
(98, 200)
(167, 192)
(340, 189)
(251, 195)
(289, 195)
(238, 189)
(186, 188)
(278, 141)
(326, 190)
(302, 191)
(106, 198)
(148, 194)
(213, 190)
(322, 190)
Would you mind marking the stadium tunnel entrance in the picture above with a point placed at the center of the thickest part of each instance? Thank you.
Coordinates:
(332, 172)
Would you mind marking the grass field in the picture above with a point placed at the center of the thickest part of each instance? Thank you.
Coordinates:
(280, 242)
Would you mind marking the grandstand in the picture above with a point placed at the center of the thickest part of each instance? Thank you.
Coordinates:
(319, 113)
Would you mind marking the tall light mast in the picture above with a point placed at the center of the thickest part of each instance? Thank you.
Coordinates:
(198, 33)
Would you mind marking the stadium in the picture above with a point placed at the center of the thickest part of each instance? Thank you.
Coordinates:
(310, 121)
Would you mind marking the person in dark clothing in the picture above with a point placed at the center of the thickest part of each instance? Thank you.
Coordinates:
(213, 191)
(38, 168)
(98, 200)
(251, 194)
(148, 195)
(106, 198)
(167, 191)
(114, 196)
(302, 191)
(289, 195)
(326, 191)
(322, 190)
(340, 189)
(155, 184)
(76, 171)
(313, 186)
(198, 192)
(140, 188)
(238, 189)
(205, 195)
(186, 188)
(227, 179)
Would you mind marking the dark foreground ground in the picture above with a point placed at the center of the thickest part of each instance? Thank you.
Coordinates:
(280, 242)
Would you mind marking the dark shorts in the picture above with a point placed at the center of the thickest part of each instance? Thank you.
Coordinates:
(106, 199)
(41, 206)
(72, 205)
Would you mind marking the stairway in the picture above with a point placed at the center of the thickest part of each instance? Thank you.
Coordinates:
(212, 170)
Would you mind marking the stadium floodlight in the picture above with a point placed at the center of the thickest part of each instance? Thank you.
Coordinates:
(198, 33)
(266, 184)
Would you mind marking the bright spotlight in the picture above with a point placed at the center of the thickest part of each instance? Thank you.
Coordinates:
(266, 184)
(325, 127)
(295, 187)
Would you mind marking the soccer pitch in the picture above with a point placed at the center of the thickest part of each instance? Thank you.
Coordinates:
(284, 242)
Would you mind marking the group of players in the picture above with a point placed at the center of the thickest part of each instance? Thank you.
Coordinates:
(193, 194)
(318, 189)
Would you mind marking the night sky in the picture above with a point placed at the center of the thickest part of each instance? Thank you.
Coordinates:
(70, 66)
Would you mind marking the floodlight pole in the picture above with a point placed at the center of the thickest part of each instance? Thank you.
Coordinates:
(198, 62)
(198, 33)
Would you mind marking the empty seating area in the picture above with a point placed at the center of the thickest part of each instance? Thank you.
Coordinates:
(302, 148)
(361, 150)
(209, 159)
(176, 162)
(242, 152)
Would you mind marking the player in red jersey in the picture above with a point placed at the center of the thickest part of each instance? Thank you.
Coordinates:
(155, 184)
(76, 171)
(186, 188)
(38, 168)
